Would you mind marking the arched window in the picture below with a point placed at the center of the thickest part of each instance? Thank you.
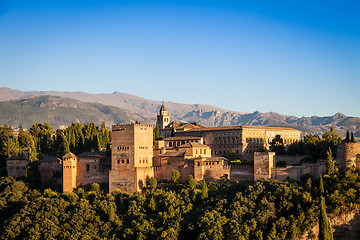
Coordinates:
(87, 167)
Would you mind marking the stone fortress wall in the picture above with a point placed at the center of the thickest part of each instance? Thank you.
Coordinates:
(192, 149)
(348, 155)
(131, 157)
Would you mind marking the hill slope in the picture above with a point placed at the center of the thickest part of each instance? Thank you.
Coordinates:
(204, 114)
(59, 111)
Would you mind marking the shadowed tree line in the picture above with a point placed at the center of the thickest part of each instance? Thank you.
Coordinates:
(266, 209)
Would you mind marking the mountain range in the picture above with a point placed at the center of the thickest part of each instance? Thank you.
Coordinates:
(62, 108)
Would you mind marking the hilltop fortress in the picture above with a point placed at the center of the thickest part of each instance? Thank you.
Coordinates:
(190, 148)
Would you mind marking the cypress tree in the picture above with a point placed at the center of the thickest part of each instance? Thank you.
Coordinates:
(352, 138)
(330, 168)
(156, 131)
(204, 189)
(63, 145)
(347, 139)
(325, 230)
(321, 186)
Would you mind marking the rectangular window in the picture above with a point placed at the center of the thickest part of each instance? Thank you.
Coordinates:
(204, 151)
(127, 161)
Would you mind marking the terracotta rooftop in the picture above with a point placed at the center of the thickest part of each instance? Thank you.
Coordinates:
(180, 138)
(163, 108)
(181, 126)
(50, 159)
(270, 128)
(190, 144)
(215, 159)
(16, 158)
(95, 154)
(239, 128)
(69, 155)
(175, 154)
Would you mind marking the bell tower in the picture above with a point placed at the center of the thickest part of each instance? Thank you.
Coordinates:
(163, 117)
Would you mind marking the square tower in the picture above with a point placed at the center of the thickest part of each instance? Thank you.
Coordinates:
(69, 163)
(131, 157)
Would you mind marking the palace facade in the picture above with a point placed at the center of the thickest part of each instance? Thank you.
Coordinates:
(190, 148)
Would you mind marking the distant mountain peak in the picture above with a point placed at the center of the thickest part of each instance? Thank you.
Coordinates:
(204, 114)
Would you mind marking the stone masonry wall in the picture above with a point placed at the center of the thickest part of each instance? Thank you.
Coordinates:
(348, 155)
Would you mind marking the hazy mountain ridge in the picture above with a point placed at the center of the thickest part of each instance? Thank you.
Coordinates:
(58, 111)
(204, 114)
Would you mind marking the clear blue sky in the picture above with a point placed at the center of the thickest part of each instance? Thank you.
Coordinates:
(299, 58)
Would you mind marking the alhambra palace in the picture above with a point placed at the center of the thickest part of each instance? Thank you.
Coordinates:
(189, 148)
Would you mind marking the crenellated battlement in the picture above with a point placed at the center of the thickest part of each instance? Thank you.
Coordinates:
(120, 127)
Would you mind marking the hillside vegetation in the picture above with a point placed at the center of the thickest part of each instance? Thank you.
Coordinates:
(59, 111)
(204, 114)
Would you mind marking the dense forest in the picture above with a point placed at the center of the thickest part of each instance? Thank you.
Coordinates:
(42, 140)
(266, 209)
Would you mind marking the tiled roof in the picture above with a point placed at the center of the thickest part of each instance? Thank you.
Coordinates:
(175, 154)
(190, 144)
(180, 138)
(239, 128)
(163, 108)
(96, 154)
(69, 155)
(270, 128)
(16, 158)
(50, 159)
(215, 159)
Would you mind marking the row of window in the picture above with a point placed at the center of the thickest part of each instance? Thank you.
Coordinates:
(200, 151)
(211, 163)
(69, 167)
(17, 168)
(228, 147)
(226, 134)
(178, 143)
(226, 140)
(123, 148)
(225, 152)
(254, 140)
(143, 160)
(143, 147)
(123, 161)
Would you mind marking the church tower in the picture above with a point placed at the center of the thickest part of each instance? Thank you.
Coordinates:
(163, 117)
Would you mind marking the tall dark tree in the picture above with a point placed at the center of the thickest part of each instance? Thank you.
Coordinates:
(105, 135)
(63, 144)
(352, 137)
(175, 175)
(277, 145)
(33, 172)
(325, 230)
(191, 182)
(204, 189)
(330, 168)
(156, 131)
(347, 138)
